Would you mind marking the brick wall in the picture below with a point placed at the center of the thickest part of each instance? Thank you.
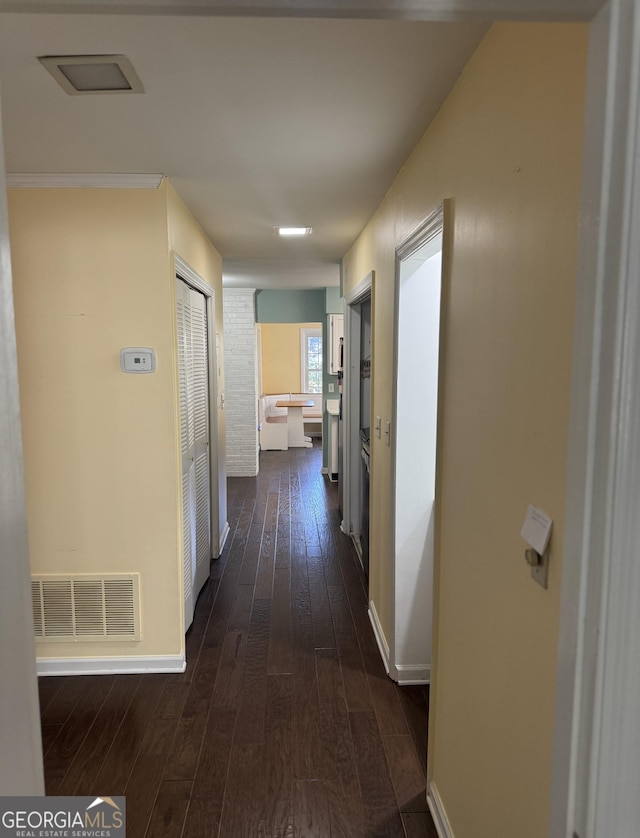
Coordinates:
(241, 389)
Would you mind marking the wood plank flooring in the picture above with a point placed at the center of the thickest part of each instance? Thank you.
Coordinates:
(285, 724)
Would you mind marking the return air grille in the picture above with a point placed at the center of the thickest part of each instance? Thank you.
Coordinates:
(87, 607)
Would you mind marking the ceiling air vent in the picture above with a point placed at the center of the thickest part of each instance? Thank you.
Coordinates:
(86, 607)
(80, 75)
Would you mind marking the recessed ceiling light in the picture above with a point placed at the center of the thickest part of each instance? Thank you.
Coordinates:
(84, 74)
(293, 231)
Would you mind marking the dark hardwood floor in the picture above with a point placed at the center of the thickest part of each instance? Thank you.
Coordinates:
(285, 724)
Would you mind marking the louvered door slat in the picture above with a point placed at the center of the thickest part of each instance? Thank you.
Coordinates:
(182, 334)
(203, 524)
(200, 368)
(188, 538)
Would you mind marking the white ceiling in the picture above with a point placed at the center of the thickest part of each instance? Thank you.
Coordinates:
(257, 121)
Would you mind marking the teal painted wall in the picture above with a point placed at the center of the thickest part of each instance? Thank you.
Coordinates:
(290, 306)
(333, 301)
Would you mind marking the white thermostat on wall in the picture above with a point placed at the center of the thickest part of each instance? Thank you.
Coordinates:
(138, 359)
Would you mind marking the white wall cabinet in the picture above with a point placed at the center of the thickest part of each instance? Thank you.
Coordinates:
(336, 334)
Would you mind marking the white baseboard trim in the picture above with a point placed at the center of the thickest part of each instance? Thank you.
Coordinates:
(440, 819)
(381, 640)
(403, 674)
(223, 537)
(324, 470)
(110, 666)
(409, 674)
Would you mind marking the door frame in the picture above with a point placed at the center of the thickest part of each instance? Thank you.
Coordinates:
(351, 403)
(182, 270)
(432, 226)
(596, 760)
(21, 770)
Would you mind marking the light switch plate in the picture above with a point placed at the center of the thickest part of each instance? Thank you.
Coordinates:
(536, 531)
(540, 572)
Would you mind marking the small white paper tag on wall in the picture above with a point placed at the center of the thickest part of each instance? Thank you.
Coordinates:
(536, 529)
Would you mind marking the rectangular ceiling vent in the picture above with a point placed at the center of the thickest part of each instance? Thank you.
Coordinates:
(86, 607)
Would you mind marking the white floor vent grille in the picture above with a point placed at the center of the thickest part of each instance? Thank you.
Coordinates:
(87, 607)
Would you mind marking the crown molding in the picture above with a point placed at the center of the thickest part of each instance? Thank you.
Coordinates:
(85, 181)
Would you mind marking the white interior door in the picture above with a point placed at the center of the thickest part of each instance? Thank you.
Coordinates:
(187, 437)
(200, 402)
(193, 372)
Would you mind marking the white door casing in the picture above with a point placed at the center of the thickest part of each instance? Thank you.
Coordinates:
(596, 754)
(351, 404)
(417, 356)
(21, 771)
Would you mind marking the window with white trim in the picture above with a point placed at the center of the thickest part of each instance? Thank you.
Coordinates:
(311, 360)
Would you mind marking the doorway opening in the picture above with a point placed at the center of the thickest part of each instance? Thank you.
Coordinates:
(355, 417)
(414, 445)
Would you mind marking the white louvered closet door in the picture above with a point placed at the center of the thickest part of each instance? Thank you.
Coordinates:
(187, 437)
(194, 441)
(200, 401)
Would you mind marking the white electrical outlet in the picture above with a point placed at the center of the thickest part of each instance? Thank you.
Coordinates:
(331, 388)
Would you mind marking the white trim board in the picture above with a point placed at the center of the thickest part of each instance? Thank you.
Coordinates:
(21, 757)
(184, 271)
(383, 646)
(351, 404)
(225, 534)
(436, 807)
(131, 665)
(84, 181)
(361, 291)
(596, 758)
(411, 674)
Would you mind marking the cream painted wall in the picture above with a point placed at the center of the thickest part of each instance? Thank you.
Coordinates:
(506, 148)
(92, 273)
(281, 371)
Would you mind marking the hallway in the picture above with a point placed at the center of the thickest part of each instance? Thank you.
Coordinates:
(284, 723)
